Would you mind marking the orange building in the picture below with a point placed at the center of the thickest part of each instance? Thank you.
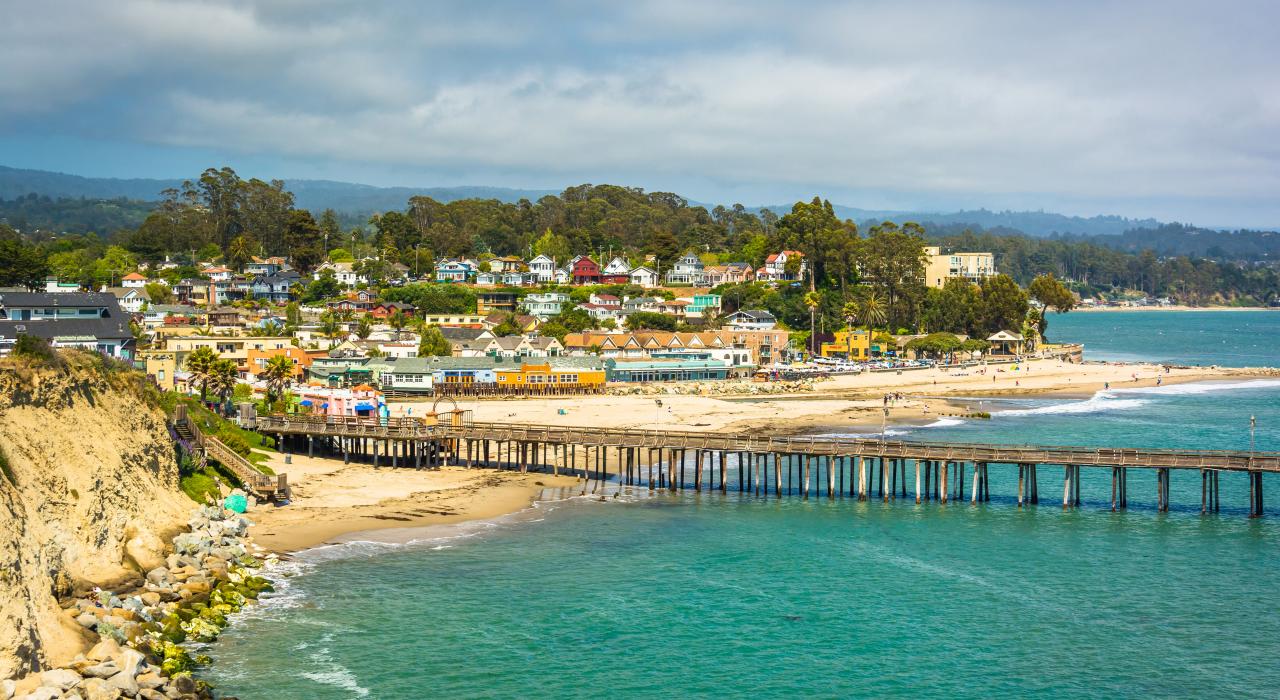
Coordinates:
(258, 359)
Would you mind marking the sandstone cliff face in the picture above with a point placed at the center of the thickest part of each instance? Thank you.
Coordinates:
(88, 497)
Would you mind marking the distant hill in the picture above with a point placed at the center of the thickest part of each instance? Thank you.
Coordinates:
(1032, 223)
(358, 201)
(316, 195)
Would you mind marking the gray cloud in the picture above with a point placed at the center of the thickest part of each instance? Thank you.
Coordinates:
(1168, 109)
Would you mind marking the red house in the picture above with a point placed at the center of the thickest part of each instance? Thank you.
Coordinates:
(585, 271)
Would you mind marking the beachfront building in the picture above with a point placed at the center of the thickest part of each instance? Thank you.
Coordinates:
(256, 361)
(1006, 344)
(542, 268)
(764, 347)
(644, 277)
(69, 320)
(850, 345)
(941, 267)
(665, 370)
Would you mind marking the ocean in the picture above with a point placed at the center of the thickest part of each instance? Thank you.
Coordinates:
(710, 595)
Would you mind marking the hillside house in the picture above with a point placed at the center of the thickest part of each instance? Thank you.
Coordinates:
(687, 270)
(542, 268)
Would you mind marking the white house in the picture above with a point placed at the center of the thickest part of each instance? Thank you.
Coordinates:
(544, 306)
(131, 299)
(644, 277)
(217, 274)
(775, 267)
(617, 266)
(133, 280)
(687, 270)
(751, 320)
(343, 272)
(543, 267)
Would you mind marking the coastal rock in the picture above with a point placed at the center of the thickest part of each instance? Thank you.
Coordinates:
(45, 693)
(129, 661)
(158, 576)
(98, 689)
(105, 650)
(88, 620)
(146, 549)
(149, 680)
(6, 689)
(124, 682)
(106, 669)
(60, 678)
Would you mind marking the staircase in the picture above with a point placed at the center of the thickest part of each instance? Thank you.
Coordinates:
(207, 447)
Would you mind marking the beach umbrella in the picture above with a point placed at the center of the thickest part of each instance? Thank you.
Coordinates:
(305, 402)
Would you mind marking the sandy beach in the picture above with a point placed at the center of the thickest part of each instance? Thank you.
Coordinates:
(333, 499)
(852, 400)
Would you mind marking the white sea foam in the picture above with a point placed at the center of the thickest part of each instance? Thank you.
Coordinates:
(1100, 402)
(330, 672)
(1190, 388)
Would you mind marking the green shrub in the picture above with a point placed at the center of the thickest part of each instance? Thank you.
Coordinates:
(36, 349)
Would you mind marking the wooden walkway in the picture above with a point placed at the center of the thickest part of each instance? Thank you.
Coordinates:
(869, 464)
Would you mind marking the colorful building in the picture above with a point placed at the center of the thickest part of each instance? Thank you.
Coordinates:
(850, 345)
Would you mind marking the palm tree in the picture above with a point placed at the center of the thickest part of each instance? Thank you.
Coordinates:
(873, 310)
(200, 364)
(276, 374)
(330, 326)
(812, 300)
(364, 328)
(397, 321)
(223, 377)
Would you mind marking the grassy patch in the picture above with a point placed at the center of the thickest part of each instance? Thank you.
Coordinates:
(200, 485)
(253, 446)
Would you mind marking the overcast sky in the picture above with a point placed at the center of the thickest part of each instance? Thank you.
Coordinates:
(1167, 109)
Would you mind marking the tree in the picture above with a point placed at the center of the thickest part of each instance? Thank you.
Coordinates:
(647, 320)
(664, 246)
(1054, 295)
(954, 308)
(1004, 304)
(553, 329)
(21, 264)
(292, 315)
(893, 263)
(341, 255)
(364, 328)
(812, 300)
(935, 344)
(159, 293)
(276, 374)
(553, 246)
(200, 364)
(871, 309)
(223, 375)
(304, 240)
(397, 321)
(330, 326)
(239, 253)
(433, 343)
(508, 327)
(324, 287)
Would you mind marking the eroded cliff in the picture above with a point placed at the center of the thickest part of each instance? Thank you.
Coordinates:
(88, 495)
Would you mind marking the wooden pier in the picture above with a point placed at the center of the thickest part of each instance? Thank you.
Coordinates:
(807, 466)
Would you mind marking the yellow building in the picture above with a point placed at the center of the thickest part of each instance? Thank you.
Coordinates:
(538, 378)
(170, 355)
(941, 267)
(851, 345)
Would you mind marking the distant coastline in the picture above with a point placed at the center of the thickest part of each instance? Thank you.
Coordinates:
(1105, 309)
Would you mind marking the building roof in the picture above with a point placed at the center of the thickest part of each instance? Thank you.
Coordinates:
(122, 292)
(133, 277)
(426, 365)
(61, 299)
(1005, 335)
(754, 314)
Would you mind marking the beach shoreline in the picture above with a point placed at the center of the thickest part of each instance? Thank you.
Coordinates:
(336, 502)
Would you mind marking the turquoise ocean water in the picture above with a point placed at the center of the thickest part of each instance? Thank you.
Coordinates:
(657, 595)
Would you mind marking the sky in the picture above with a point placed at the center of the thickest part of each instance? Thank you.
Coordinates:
(1165, 109)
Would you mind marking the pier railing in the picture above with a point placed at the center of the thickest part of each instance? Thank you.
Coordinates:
(758, 442)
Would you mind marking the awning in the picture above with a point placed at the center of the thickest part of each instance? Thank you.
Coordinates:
(364, 406)
(305, 402)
